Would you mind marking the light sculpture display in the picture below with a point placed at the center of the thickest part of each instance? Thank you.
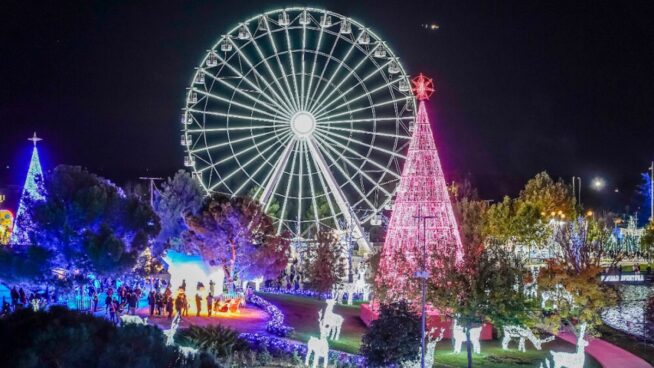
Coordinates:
(430, 350)
(332, 320)
(319, 347)
(185, 351)
(522, 334)
(6, 226)
(32, 191)
(422, 191)
(570, 360)
(459, 337)
(135, 320)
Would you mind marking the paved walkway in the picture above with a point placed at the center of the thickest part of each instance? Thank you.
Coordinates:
(608, 355)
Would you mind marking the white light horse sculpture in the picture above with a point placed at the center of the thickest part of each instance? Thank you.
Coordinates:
(430, 349)
(319, 347)
(331, 320)
(459, 337)
(570, 360)
(522, 333)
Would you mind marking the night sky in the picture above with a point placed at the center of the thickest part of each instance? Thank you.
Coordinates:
(523, 86)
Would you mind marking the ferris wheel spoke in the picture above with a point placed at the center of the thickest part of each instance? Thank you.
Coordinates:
(272, 180)
(322, 74)
(313, 68)
(240, 167)
(250, 148)
(363, 95)
(355, 167)
(265, 162)
(234, 116)
(300, 194)
(382, 167)
(347, 137)
(357, 85)
(304, 47)
(280, 102)
(326, 190)
(275, 109)
(320, 102)
(298, 102)
(335, 72)
(316, 151)
(218, 145)
(312, 187)
(282, 214)
(379, 104)
(281, 66)
(327, 124)
(228, 101)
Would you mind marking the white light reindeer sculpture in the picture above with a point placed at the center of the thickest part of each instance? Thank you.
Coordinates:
(522, 333)
(432, 340)
(331, 320)
(136, 320)
(570, 360)
(185, 351)
(559, 293)
(459, 337)
(319, 347)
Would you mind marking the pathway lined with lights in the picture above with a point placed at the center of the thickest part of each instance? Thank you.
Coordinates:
(607, 354)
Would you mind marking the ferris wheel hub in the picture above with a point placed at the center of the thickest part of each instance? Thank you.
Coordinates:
(303, 124)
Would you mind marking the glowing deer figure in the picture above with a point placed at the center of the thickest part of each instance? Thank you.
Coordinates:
(570, 360)
(556, 295)
(522, 334)
(459, 337)
(136, 320)
(332, 320)
(430, 349)
(531, 288)
(319, 347)
(184, 351)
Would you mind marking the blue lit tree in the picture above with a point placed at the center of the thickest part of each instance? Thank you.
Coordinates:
(644, 192)
(90, 224)
(32, 192)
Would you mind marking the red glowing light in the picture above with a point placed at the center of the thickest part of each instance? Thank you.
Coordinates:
(423, 87)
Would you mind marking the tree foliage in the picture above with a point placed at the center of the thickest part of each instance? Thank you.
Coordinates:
(28, 264)
(577, 270)
(180, 195)
(90, 224)
(394, 337)
(237, 234)
(64, 338)
(324, 265)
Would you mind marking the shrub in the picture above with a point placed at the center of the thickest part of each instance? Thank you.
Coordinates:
(218, 340)
(394, 337)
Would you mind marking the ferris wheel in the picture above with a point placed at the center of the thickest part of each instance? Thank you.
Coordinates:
(307, 111)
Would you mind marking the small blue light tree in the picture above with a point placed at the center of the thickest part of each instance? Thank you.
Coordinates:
(32, 191)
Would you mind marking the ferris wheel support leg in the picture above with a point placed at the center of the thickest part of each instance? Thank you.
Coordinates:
(276, 175)
(342, 204)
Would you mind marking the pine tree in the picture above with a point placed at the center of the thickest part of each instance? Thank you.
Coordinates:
(32, 191)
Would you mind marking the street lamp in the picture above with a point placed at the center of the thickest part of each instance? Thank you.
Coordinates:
(598, 184)
(423, 274)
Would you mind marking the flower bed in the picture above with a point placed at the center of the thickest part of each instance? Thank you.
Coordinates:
(276, 324)
(280, 347)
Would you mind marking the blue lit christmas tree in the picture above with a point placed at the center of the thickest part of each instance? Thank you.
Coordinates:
(32, 191)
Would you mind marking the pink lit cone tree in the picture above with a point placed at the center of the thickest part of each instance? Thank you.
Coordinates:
(422, 192)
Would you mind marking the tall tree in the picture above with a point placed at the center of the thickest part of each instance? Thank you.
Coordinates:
(577, 271)
(237, 234)
(324, 265)
(89, 223)
(180, 195)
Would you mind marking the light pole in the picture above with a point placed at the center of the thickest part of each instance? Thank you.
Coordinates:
(423, 274)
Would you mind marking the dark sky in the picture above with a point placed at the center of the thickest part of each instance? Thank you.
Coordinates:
(523, 86)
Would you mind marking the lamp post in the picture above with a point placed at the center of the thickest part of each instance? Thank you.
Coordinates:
(423, 274)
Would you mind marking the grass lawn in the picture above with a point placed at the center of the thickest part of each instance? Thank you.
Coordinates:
(302, 314)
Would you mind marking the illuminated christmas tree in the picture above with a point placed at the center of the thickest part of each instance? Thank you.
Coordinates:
(422, 211)
(32, 191)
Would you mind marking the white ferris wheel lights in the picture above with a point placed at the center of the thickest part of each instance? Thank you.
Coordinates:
(303, 124)
(304, 108)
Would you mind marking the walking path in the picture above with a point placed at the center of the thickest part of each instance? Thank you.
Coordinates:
(608, 355)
